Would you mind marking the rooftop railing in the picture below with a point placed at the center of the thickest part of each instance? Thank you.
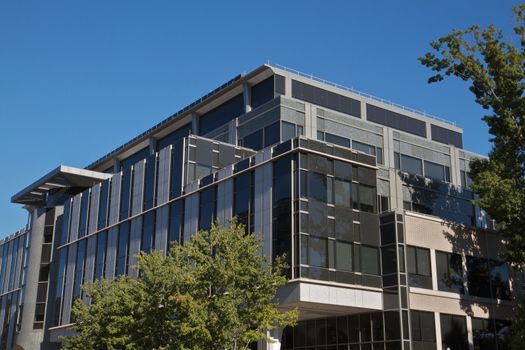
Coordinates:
(357, 92)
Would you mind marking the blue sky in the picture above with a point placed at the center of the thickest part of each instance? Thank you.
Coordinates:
(79, 78)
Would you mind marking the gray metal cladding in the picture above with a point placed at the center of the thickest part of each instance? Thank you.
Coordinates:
(93, 208)
(12, 318)
(161, 228)
(114, 207)
(75, 218)
(111, 252)
(396, 120)
(163, 179)
(138, 188)
(91, 251)
(2, 313)
(134, 244)
(19, 262)
(68, 285)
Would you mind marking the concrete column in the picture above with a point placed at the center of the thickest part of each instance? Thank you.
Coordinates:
(470, 335)
(116, 165)
(363, 110)
(433, 269)
(455, 170)
(30, 338)
(247, 94)
(152, 143)
(288, 86)
(194, 124)
(429, 131)
(437, 322)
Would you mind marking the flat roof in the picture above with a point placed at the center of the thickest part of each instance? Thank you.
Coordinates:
(61, 177)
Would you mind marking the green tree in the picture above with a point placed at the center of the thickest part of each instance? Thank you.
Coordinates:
(495, 70)
(216, 291)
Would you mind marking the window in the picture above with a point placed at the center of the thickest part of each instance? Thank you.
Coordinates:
(478, 277)
(125, 195)
(84, 213)
(271, 134)
(287, 131)
(337, 140)
(318, 251)
(487, 332)
(100, 258)
(254, 140)
(369, 260)
(207, 207)
(148, 231)
(466, 181)
(409, 164)
(367, 198)
(121, 267)
(449, 272)
(343, 256)
(343, 193)
(79, 268)
(317, 188)
(104, 202)
(150, 176)
(242, 201)
(262, 92)
(221, 115)
(499, 279)
(453, 332)
(176, 222)
(437, 171)
(418, 264)
(423, 329)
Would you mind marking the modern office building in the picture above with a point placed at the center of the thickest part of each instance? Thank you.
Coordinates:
(369, 200)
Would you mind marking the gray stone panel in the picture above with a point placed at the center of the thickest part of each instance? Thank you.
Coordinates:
(93, 208)
(111, 252)
(68, 285)
(161, 228)
(134, 244)
(163, 179)
(75, 217)
(138, 188)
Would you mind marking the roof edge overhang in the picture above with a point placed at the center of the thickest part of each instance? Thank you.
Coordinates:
(62, 177)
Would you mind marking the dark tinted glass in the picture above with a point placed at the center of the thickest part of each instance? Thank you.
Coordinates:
(148, 231)
(499, 279)
(282, 207)
(254, 140)
(435, 171)
(337, 140)
(100, 258)
(79, 268)
(176, 221)
(478, 276)
(395, 120)
(453, 332)
(369, 260)
(175, 136)
(62, 259)
(176, 169)
(280, 84)
(104, 202)
(288, 131)
(122, 249)
(326, 98)
(207, 208)
(221, 115)
(344, 256)
(318, 251)
(271, 134)
(446, 136)
(262, 92)
(125, 194)
(84, 213)
(449, 272)
(411, 165)
(150, 181)
(317, 188)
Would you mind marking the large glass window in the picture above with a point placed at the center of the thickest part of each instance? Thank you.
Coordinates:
(449, 272)
(62, 259)
(221, 115)
(408, 164)
(369, 260)
(317, 188)
(418, 264)
(499, 279)
(176, 169)
(207, 207)
(337, 140)
(437, 171)
(79, 268)
(344, 256)
(478, 276)
(100, 258)
(272, 134)
(121, 267)
(150, 175)
(125, 194)
(242, 201)
(343, 193)
(318, 251)
(84, 213)
(176, 222)
(148, 231)
(423, 330)
(367, 198)
(490, 334)
(453, 332)
(282, 208)
(104, 204)
(287, 131)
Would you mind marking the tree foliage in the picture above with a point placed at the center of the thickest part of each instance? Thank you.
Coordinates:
(495, 71)
(214, 292)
